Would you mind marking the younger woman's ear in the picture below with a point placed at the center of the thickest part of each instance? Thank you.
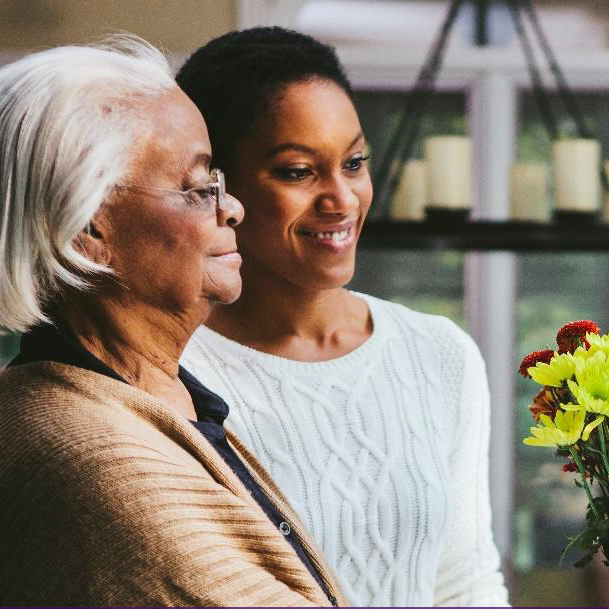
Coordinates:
(91, 242)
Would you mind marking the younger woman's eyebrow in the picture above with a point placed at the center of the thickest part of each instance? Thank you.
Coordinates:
(289, 146)
(357, 138)
(306, 149)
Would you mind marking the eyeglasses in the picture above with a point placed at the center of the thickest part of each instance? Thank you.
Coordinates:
(210, 195)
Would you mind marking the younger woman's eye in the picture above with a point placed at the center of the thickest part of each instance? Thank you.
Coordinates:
(356, 163)
(294, 174)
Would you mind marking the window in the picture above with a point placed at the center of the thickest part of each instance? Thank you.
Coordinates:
(535, 505)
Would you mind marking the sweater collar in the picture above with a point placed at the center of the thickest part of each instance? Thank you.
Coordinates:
(48, 343)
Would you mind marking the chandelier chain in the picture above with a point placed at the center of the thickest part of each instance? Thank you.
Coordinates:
(404, 138)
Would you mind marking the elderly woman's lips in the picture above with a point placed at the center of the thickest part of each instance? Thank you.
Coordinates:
(228, 256)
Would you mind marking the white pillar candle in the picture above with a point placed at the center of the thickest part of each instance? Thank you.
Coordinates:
(410, 195)
(529, 192)
(576, 175)
(605, 215)
(448, 171)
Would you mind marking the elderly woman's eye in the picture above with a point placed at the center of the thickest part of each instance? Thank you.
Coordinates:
(294, 174)
(199, 197)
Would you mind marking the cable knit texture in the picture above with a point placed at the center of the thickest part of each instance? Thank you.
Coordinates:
(383, 453)
(109, 498)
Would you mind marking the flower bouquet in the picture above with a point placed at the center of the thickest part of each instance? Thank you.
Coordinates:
(571, 411)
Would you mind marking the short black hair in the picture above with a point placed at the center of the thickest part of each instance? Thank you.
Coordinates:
(233, 79)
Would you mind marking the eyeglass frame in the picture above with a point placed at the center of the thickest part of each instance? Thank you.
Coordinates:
(217, 189)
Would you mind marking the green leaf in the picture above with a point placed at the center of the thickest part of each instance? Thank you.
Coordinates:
(572, 542)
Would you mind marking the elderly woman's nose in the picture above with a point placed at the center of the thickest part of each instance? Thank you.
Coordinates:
(231, 212)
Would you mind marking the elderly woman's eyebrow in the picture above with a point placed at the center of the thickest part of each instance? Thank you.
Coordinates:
(201, 158)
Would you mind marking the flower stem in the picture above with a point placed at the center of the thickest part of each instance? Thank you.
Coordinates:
(555, 395)
(582, 471)
(601, 435)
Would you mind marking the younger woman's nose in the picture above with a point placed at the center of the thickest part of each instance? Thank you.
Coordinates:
(339, 198)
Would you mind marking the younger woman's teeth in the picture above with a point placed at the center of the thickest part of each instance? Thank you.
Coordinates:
(336, 236)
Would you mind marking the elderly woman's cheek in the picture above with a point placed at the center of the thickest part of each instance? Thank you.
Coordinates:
(158, 255)
(196, 266)
(185, 255)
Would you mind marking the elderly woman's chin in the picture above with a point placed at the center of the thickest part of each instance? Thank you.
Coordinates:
(223, 285)
(221, 271)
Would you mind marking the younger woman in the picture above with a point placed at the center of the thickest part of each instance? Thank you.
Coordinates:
(372, 418)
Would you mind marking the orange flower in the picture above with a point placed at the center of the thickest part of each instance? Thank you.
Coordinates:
(544, 403)
(532, 358)
(573, 335)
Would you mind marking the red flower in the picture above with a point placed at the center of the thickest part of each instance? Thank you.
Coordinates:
(544, 403)
(573, 335)
(571, 467)
(532, 358)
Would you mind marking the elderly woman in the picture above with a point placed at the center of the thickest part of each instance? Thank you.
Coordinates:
(118, 484)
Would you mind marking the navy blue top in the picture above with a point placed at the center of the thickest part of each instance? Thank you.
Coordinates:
(47, 343)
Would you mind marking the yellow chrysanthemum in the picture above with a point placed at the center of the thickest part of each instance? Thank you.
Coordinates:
(566, 429)
(586, 401)
(598, 343)
(591, 385)
(582, 353)
(560, 368)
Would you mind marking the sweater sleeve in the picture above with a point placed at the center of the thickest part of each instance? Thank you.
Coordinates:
(468, 573)
(203, 547)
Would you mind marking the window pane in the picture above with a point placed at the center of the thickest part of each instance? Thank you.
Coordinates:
(430, 282)
(533, 140)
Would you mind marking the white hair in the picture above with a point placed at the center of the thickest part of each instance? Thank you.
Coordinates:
(67, 130)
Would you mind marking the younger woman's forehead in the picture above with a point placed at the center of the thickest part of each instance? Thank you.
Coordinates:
(309, 114)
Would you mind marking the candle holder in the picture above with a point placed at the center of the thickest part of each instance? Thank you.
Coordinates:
(438, 214)
(576, 217)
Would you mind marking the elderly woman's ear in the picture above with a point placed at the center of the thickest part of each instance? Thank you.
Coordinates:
(92, 240)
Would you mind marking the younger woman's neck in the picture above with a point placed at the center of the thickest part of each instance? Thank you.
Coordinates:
(302, 324)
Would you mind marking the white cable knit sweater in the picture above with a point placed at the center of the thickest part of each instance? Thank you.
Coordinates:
(382, 452)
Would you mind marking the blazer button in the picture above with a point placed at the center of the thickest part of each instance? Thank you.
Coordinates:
(285, 529)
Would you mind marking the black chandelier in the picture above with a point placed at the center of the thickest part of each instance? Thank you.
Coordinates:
(403, 140)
